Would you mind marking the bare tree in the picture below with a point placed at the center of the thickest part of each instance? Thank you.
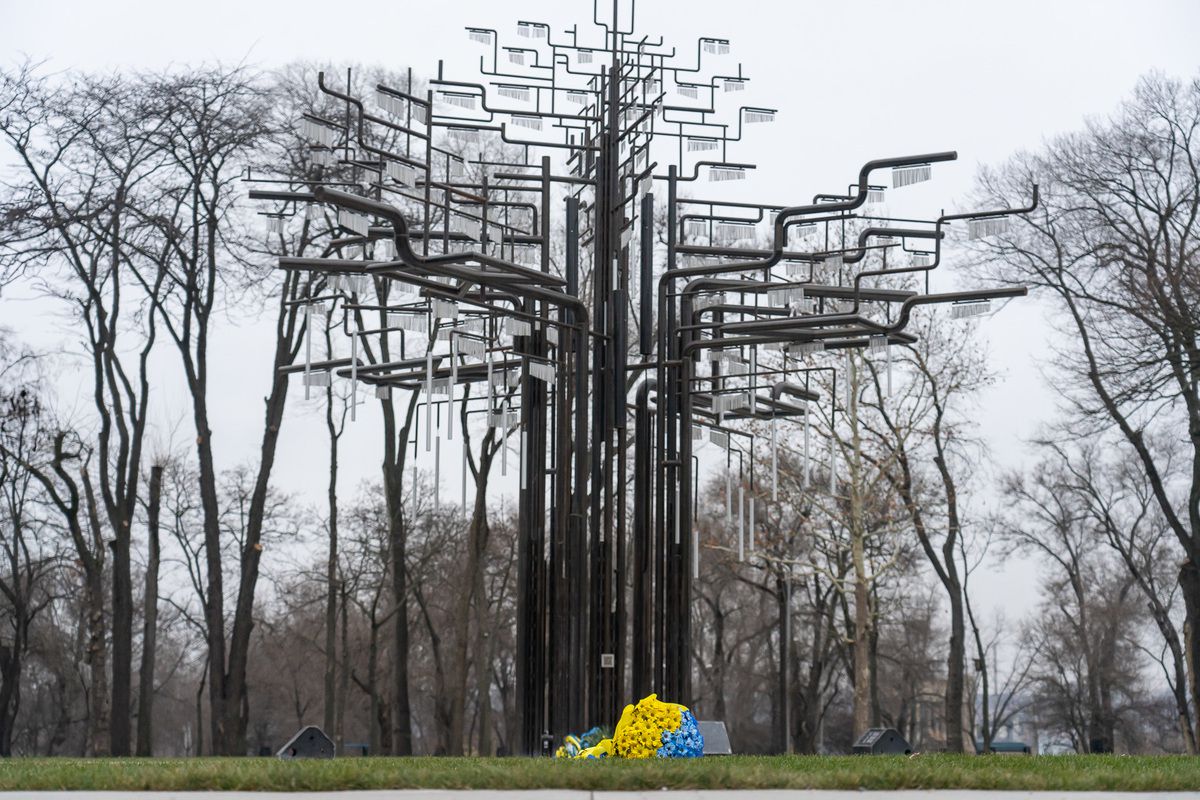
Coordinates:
(1114, 249)
(862, 504)
(86, 166)
(1085, 635)
(475, 597)
(1118, 502)
(51, 467)
(924, 424)
(399, 413)
(211, 123)
(28, 546)
(365, 561)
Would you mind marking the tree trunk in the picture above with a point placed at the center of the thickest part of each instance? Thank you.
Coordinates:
(145, 724)
(862, 641)
(873, 654)
(955, 678)
(458, 655)
(122, 640)
(948, 573)
(386, 731)
(441, 705)
(477, 537)
(97, 736)
(1189, 585)
(236, 700)
(200, 711)
(824, 630)
(985, 726)
(720, 660)
(62, 716)
(858, 557)
(783, 597)
(331, 565)
(339, 728)
(97, 658)
(1094, 739)
(857, 529)
(375, 740)
(402, 713)
(395, 444)
(214, 609)
(484, 635)
(10, 677)
(486, 748)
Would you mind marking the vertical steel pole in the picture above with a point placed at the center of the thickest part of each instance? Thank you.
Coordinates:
(577, 545)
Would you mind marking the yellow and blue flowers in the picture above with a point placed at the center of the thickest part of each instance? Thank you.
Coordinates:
(573, 745)
(649, 729)
(686, 741)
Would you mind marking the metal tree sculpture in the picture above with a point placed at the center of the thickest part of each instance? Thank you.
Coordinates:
(593, 136)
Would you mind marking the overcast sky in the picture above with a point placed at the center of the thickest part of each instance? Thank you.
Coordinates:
(853, 80)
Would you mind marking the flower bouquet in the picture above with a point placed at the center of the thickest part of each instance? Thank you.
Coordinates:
(573, 745)
(651, 729)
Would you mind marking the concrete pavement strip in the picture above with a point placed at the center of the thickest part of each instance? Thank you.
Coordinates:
(583, 794)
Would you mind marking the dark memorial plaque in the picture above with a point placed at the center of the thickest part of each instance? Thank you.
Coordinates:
(310, 742)
(881, 742)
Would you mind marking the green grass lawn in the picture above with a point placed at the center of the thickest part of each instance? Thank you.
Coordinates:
(1131, 773)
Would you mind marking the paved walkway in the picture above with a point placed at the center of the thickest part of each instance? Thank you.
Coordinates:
(570, 794)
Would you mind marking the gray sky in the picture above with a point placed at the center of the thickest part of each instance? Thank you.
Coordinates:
(853, 81)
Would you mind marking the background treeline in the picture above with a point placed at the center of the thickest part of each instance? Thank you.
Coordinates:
(139, 614)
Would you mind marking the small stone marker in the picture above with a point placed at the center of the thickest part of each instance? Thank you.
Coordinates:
(716, 738)
(881, 742)
(310, 742)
